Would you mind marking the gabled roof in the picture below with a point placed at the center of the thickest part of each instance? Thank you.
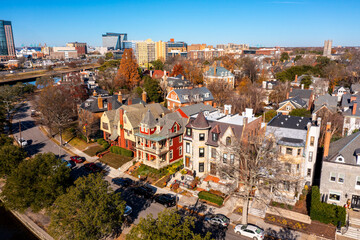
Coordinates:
(355, 87)
(220, 128)
(196, 108)
(178, 82)
(158, 74)
(326, 100)
(195, 94)
(199, 122)
(220, 72)
(91, 104)
(346, 100)
(336, 89)
(302, 93)
(295, 101)
(346, 147)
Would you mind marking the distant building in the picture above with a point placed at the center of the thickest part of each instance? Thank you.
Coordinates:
(176, 48)
(114, 41)
(206, 54)
(327, 48)
(217, 73)
(81, 48)
(161, 50)
(339, 91)
(7, 46)
(63, 53)
(145, 52)
(351, 113)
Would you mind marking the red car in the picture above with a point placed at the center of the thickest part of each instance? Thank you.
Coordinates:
(77, 159)
(93, 168)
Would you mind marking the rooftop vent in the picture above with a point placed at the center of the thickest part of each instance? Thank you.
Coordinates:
(285, 119)
(282, 123)
(299, 120)
(297, 124)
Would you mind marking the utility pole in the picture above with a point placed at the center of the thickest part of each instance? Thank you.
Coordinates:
(20, 133)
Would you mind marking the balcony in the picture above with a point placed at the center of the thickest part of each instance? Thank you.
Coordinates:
(153, 150)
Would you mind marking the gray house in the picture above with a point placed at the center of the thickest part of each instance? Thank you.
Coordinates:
(340, 173)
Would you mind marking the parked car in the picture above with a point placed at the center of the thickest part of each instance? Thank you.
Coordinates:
(144, 191)
(168, 200)
(127, 211)
(77, 159)
(122, 182)
(250, 230)
(22, 142)
(93, 168)
(69, 164)
(33, 113)
(217, 220)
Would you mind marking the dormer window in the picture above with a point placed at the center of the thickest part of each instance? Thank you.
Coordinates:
(215, 137)
(186, 97)
(207, 95)
(228, 141)
(340, 159)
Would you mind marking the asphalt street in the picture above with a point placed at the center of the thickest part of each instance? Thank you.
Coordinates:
(25, 125)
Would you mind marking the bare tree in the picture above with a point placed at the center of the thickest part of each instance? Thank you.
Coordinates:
(279, 93)
(88, 124)
(336, 119)
(221, 91)
(251, 96)
(56, 107)
(109, 81)
(258, 170)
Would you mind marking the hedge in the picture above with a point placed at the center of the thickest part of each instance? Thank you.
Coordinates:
(121, 151)
(211, 197)
(103, 143)
(324, 212)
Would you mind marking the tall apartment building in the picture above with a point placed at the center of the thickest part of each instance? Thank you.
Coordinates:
(161, 50)
(81, 48)
(7, 46)
(114, 41)
(176, 48)
(198, 47)
(145, 52)
(327, 48)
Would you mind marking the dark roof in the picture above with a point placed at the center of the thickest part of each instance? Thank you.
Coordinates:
(287, 121)
(345, 147)
(91, 104)
(196, 108)
(296, 101)
(134, 101)
(292, 142)
(326, 100)
(220, 72)
(178, 82)
(199, 122)
(195, 94)
(220, 128)
(302, 93)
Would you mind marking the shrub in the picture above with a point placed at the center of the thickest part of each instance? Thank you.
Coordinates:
(211, 197)
(324, 212)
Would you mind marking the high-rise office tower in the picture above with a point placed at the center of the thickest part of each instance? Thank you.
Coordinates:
(7, 46)
(114, 41)
(327, 48)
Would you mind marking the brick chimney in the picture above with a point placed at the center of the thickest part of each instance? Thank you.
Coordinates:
(100, 102)
(327, 139)
(121, 113)
(296, 78)
(352, 98)
(129, 101)
(143, 95)
(182, 77)
(120, 97)
(109, 106)
(354, 107)
(94, 93)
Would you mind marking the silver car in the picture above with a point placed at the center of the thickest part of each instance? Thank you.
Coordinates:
(22, 142)
(250, 230)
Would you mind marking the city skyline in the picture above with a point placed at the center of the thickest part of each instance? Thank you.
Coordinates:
(258, 23)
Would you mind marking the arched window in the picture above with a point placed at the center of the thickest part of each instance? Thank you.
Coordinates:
(228, 141)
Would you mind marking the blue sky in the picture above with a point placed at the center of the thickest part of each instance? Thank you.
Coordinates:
(255, 22)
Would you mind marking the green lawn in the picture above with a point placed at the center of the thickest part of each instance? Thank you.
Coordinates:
(114, 160)
(91, 151)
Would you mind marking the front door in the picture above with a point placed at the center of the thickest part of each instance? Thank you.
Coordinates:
(187, 161)
(355, 201)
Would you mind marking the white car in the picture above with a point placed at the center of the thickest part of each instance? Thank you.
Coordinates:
(250, 230)
(22, 142)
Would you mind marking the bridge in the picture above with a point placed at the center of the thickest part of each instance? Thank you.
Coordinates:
(31, 76)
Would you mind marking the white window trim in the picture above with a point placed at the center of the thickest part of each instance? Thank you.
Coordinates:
(330, 177)
(343, 177)
(334, 192)
(357, 186)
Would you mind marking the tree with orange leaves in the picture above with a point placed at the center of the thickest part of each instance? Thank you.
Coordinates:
(128, 69)
(178, 69)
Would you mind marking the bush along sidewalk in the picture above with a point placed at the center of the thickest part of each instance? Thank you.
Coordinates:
(212, 198)
(121, 151)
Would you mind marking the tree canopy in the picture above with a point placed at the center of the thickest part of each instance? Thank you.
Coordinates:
(153, 89)
(10, 158)
(36, 183)
(300, 112)
(158, 64)
(168, 225)
(178, 69)
(128, 69)
(89, 210)
(284, 56)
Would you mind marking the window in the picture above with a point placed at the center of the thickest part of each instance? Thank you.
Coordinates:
(332, 177)
(201, 167)
(224, 157)
(334, 196)
(201, 152)
(187, 161)
(309, 172)
(202, 137)
(232, 158)
(215, 137)
(188, 132)
(299, 152)
(288, 167)
(228, 141)
(187, 147)
(286, 186)
(180, 151)
(171, 141)
(213, 152)
(288, 108)
(180, 138)
(171, 155)
(310, 156)
(289, 151)
(339, 159)
(357, 185)
(297, 167)
(175, 128)
(105, 126)
(312, 140)
(341, 178)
